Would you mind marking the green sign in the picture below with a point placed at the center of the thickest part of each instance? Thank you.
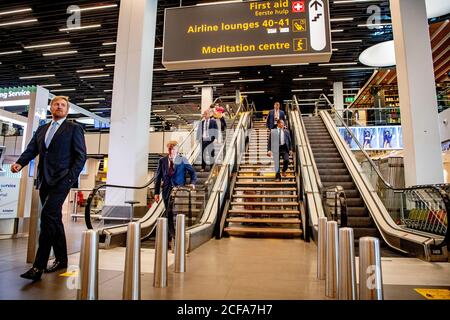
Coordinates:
(247, 34)
(349, 99)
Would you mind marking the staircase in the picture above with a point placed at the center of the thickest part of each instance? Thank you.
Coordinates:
(333, 172)
(262, 206)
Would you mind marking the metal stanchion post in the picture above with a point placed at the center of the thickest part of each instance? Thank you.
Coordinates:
(332, 260)
(346, 268)
(180, 245)
(132, 273)
(321, 248)
(161, 263)
(370, 279)
(88, 273)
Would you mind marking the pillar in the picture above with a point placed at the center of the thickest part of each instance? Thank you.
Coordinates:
(131, 101)
(338, 97)
(207, 98)
(417, 93)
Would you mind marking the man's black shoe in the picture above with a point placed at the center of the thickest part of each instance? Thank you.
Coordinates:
(278, 177)
(56, 266)
(32, 274)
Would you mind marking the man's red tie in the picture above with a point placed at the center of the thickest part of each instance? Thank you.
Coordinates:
(171, 169)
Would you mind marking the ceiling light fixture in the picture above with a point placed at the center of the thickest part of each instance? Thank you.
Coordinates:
(289, 64)
(3, 13)
(4, 24)
(63, 90)
(89, 70)
(310, 79)
(108, 6)
(347, 41)
(37, 76)
(50, 85)
(107, 54)
(338, 64)
(95, 76)
(247, 80)
(94, 99)
(224, 73)
(341, 19)
(163, 100)
(159, 69)
(47, 45)
(306, 90)
(252, 92)
(87, 103)
(10, 52)
(182, 83)
(352, 69)
(109, 43)
(60, 53)
(81, 28)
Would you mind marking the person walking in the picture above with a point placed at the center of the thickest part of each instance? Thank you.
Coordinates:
(171, 172)
(206, 135)
(279, 146)
(61, 148)
(274, 115)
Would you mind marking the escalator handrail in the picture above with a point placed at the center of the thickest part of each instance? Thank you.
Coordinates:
(372, 164)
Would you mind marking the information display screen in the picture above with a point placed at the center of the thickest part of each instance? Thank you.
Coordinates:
(246, 34)
(374, 138)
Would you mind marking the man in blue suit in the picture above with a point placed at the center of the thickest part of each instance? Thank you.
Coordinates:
(275, 115)
(206, 135)
(280, 145)
(171, 172)
(62, 153)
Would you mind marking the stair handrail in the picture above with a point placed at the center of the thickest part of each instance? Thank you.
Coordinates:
(87, 211)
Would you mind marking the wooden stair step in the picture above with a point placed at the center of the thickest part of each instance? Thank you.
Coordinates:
(281, 196)
(238, 230)
(265, 183)
(267, 212)
(264, 177)
(264, 189)
(259, 171)
(270, 203)
(264, 220)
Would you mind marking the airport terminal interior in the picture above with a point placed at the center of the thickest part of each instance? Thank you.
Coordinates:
(314, 137)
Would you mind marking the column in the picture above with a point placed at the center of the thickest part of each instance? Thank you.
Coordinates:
(130, 116)
(417, 91)
(207, 98)
(338, 97)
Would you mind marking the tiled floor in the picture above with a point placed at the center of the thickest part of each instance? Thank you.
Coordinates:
(231, 268)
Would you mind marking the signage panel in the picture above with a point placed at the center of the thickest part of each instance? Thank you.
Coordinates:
(246, 34)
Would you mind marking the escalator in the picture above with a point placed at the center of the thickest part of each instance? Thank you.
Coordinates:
(333, 172)
(409, 221)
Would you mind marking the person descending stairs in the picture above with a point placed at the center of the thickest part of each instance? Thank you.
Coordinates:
(261, 205)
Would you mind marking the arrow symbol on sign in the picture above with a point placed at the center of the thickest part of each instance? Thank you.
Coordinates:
(316, 4)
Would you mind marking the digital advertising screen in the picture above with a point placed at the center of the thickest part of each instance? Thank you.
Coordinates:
(374, 138)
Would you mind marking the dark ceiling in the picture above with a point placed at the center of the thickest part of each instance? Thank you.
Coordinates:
(89, 44)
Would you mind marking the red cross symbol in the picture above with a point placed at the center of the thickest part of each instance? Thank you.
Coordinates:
(298, 6)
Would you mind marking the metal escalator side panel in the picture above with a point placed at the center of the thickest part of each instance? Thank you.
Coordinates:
(396, 237)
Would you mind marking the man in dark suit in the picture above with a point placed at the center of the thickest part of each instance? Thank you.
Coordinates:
(280, 146)
(171, 172)
(206, 134)
(62, 153)
(275, 115)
